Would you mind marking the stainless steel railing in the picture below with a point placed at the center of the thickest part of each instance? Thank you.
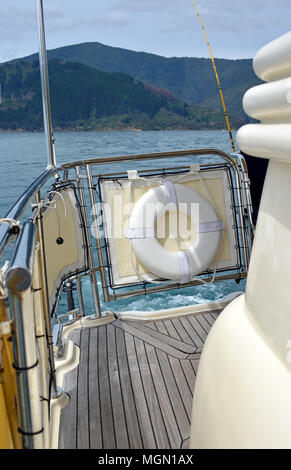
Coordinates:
(17, 210)
(242, 194)
(20, 272)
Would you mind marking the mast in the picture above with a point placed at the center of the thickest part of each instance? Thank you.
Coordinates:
(51, 157)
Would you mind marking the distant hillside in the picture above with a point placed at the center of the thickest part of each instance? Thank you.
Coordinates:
(85, 98)
(192, 80)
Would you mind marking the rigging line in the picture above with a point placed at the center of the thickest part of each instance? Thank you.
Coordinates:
(217, 79)
(126, 95)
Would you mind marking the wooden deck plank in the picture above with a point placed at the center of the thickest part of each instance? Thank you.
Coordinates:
(216, 313)
(105, 393)
(133, 428)
(161, 327)
(202, 333)
(68, 419)
(176, 390)
(185, 396)
(192, 357)
(209, 318)
(192, 332)
(83, 398)
(171, 329)
(75, 336)
(181, 331)
(159, 428)
(157, 343)
(189, 374)
(204, 324)
(163, 397)
(166, 339)
(115, 388)
(195, 365)
(185, 444)
(151, 324)
(94, 394)
(144, 418)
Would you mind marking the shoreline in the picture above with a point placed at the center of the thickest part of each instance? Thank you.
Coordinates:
(23, 131)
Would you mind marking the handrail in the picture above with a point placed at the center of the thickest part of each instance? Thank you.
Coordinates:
(147, 156)
(19, 274)
(230, 160)
(19, 207)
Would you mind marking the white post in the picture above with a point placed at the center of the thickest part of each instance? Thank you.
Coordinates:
(51, 157)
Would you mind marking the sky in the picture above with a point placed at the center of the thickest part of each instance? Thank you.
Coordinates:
(235, 29)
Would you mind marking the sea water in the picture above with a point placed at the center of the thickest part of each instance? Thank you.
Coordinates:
(23, 158)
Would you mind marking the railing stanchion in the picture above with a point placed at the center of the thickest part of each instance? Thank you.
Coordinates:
(45, 297)
(42, 348)
(80, 296)
(93, 280)
(97, 232)
(19, 283)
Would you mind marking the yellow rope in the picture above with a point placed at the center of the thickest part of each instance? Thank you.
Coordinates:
(217, 79)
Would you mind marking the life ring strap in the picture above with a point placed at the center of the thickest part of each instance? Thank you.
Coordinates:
(170, 192)
(149, 232)
(216, 226)
(184, 267)
(140, 232)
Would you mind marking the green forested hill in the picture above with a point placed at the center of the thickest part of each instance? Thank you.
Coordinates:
(85, 98)
(192, 80)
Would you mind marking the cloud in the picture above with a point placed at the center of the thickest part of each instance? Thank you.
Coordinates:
(118, 17)
(235, 29)
(13, 20)
(58, 20)
(141, 5)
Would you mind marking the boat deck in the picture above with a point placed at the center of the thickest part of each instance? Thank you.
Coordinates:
(134, 384)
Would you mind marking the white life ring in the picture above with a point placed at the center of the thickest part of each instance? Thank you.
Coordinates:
(181, 265)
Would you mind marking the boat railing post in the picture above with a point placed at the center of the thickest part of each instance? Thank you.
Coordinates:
(50, 140)
(42, 347)
(238, 183)
(19, 284)
(246, 186)
(241, 217)
(26, 365)
(45, 297)
(80, 296)
(93, 280)
(96, 231)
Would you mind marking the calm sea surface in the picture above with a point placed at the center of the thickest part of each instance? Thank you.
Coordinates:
(23, 158)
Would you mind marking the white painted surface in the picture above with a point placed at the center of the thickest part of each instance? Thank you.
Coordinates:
(271, 141)
(273, 61)
(242, 395)
(269, 102)
(243, 390)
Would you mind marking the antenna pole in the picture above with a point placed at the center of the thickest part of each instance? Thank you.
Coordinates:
(51, 156)
(217, 79)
